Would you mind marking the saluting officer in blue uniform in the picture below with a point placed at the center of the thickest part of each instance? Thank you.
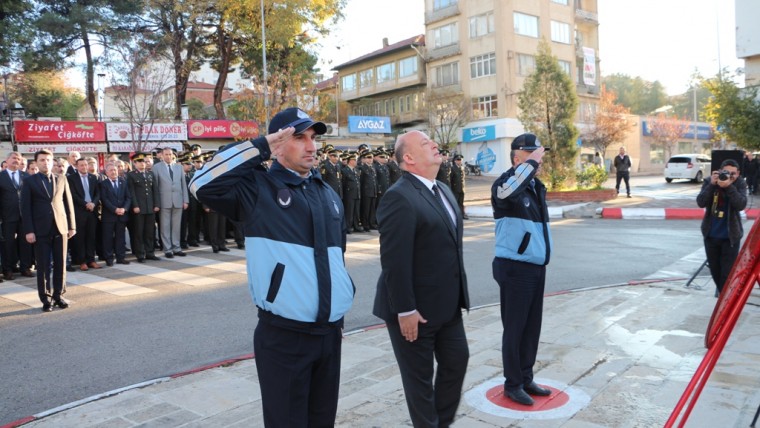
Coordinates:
(295, 237)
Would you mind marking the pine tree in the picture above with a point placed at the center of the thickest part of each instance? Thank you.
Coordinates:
(548, 105)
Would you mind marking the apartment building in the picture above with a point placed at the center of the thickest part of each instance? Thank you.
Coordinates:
(387, 83)
(485, 49)
(748, 39)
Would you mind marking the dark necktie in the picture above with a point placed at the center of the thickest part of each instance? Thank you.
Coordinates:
(15, 179)
(439, 198)
(115, 185)
(171, 173)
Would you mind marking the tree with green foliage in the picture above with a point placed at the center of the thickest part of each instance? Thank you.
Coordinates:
(733, 112)
(237, 40)
(45, 94)
(448, 111)
(13, 31)
(66, 27)
(638, 95)
(548, 105)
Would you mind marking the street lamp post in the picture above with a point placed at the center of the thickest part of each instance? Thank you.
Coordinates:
(101, 98)
(264, 64)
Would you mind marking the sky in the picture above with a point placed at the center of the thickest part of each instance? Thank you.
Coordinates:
(664, 40)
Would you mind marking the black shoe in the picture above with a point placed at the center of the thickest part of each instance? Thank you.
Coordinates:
(629, 195)
(535, 389)
(366, 229)
(47, 307)
(465, 217)
(141, 260)
(215, 249)
(122, 262)
(109, 263)
(70, 268)
(518, 396)
(61, 303)
(180, 253)
(223, 249)
(28, 273)
(184, 247)
(153, 257)
(193, 244)
(8, 275)
(241, 246)
(169, 255)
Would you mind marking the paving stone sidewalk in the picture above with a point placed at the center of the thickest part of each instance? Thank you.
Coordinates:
(625, 352)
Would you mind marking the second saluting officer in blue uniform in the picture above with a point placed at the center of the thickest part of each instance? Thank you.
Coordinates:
(295, 237)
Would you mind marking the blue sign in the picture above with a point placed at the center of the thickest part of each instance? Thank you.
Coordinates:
(704, 132)
(486, 159)
(369, 124)
(480, 133)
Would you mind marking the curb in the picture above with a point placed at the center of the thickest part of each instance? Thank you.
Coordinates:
(485, 211)
(664, 213)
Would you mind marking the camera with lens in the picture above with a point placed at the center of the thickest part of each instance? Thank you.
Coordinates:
(723, 175)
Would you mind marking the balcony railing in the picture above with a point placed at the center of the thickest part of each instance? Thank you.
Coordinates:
(586, 15)
(437, 15)
(443, 52)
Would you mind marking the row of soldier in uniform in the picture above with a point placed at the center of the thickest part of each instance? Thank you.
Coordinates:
(362, 177)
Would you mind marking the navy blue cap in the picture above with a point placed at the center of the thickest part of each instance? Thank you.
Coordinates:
(296, 118)
(527, 142)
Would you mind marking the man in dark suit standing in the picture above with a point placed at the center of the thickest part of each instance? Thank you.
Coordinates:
(368, 192)
(116, 203)
(85, 192)
(457, 183)
(17, 250)
(47, 216)
(423, 287)
(144, 195)
(331, 171)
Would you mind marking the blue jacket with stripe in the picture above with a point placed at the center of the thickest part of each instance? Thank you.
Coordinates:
(522, 217)
(294, 230)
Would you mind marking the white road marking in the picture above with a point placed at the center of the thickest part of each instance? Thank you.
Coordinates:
(110, 286)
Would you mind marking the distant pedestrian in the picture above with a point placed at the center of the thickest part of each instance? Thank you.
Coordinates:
(457, 183)
(623, 168)
(724, 195)
(749, 171)
(523, 249)
(295, 240)
(597, 159)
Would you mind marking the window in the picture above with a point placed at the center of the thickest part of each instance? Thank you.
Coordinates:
(365, 78)
(447, 74)
(386, 72)
(565, 66)
(407, 67)
(440, 4)
(526, 25)
(401, 105)
(445, 36)
(560, 32)
(349, 82)
(387, 107)
(560, 2)
(525, 64)
(393, 106)
(483, 65)
(481, 25)
(408, 103)
(376, 109)
(485, 106)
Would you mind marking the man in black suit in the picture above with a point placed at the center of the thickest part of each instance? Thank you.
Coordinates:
(47, 217)
(17, 250)
(116, 203)
(368, 191)
(423, 287)
(144, 195)
(85, 191)
(457, 183)
(331, 171)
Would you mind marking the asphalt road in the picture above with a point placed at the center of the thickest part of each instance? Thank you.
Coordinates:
(104, 342)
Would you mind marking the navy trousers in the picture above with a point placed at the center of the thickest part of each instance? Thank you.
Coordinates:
(299, 375)
(521, 290)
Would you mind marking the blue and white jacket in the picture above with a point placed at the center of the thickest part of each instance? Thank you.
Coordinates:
(522, 217)
(294, 230)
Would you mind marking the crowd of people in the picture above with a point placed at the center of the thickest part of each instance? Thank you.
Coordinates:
(140, 206)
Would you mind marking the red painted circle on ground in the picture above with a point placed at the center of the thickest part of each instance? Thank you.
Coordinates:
(556, 400)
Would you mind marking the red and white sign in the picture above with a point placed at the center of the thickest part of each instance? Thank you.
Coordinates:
(239, 130)
(117, 131)
(146, 146)
(82, 148)
(33, 131)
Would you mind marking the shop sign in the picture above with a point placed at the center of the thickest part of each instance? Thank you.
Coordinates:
(239, 130)
(29, 131)
(117, 131)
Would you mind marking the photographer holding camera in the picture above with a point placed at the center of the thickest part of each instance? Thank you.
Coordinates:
(724, 195)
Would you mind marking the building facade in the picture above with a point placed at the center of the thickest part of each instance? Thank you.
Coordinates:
(485, 49)
(748, 39)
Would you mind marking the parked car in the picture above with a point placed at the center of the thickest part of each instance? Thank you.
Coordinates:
(692, 167)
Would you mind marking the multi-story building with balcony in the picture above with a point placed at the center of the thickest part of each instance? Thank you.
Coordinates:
(389, 82)
(485, 49)
(748, 39)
